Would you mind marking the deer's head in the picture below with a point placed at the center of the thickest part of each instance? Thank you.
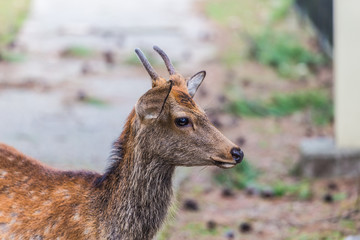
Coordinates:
(174, 128)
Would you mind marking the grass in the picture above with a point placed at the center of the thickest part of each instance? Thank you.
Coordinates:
(265, 35)
(245, 175)
(93, 101)
(340, 196)
(284, 53)
(232, 56)
(239, 177)
(227, 11)
(334, 235)
(78, 51)
(197, 229)
(222, 11)
(300, 190)
(316, 101)
(281, 9)
(10, 56)
(348, 224)
(12, 15)
(230, 13)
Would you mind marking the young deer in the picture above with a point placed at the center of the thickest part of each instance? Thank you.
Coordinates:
(130, 200)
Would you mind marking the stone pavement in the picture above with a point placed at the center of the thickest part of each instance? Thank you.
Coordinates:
(43, 113)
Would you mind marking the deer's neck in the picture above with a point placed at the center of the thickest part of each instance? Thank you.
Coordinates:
(135, 193)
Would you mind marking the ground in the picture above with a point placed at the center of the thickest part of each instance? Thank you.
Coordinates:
(66, 99)
(327, 209)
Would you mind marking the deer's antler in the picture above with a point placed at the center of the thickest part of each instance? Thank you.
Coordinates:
(153, 74)
(166, 59)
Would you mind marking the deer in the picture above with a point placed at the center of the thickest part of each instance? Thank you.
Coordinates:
(130, 200)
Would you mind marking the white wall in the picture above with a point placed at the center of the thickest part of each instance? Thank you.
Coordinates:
(347, 73)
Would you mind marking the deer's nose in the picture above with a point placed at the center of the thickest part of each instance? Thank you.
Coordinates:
(237, 154)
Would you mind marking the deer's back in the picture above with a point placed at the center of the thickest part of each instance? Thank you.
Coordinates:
(37, 202)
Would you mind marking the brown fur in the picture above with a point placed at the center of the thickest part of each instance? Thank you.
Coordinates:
(37, 202)
(130, 200)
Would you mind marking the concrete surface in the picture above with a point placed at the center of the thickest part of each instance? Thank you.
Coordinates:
(41, 114)
(320, 157)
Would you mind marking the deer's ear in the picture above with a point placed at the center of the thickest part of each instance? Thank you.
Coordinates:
(150, 105)
(194, 82)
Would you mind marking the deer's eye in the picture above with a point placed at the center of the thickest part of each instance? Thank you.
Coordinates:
(182, 122)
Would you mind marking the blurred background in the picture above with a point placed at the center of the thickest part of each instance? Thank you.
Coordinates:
(69, 78)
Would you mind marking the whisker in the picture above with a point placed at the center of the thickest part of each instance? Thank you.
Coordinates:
(202, 169)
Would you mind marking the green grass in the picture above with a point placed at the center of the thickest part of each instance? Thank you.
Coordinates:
(221, 11)
(78, 51)
(10, 56)
(281, 9)
(94, 101)
(239, 177)
(245, 175)
(226, 12)
(230, 13)
(197, 229)
(284, 53)
(232, 56)
(340, 196)
(12, 15)
(348, 224)
(335, 235)
(300, 190)
(264, 34)
(316, 101)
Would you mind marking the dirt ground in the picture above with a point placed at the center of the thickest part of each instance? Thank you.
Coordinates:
(272, 146)
(204, 209)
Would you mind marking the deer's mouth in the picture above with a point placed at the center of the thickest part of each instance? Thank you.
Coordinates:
(222, 163)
